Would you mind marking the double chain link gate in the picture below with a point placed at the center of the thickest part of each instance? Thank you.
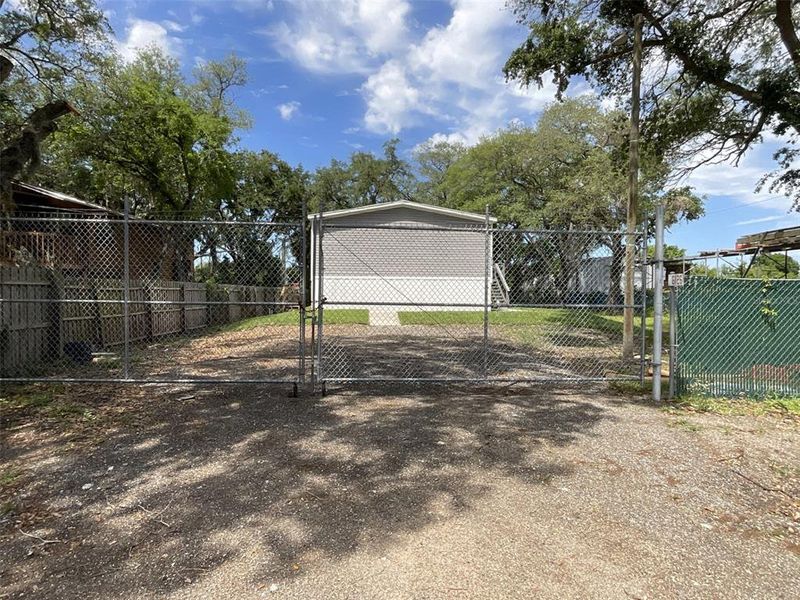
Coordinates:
(410, 302)
(112, 298)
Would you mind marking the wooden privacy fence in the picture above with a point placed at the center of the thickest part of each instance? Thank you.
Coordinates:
(43, 313)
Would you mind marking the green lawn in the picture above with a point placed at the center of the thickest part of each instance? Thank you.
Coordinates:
(333, 316)
(531, 317)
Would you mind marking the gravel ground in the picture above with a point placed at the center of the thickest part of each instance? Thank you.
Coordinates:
(520, 492)
(444, 351)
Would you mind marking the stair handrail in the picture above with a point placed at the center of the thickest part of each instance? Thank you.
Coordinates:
(501, 278)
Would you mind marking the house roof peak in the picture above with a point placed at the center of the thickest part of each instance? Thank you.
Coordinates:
(383, 206)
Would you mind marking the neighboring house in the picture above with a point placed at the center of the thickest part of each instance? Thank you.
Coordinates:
(55, 230)
(402, 255)
(595, 274)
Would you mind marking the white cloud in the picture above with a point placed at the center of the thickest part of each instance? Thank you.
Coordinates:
(450, 73)
(141, 34)
(288, 110)
(465, 51)
(173, 26)
(761, 220)
(453, 74)
(737, 184)
(252, 5)
(391, 99)
(341, 36)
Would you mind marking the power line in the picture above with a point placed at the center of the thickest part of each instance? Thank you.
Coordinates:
(744, 205)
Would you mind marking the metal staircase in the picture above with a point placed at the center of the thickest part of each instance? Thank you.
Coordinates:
(500, 290)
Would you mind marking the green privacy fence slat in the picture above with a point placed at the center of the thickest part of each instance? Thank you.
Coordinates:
(738, 336)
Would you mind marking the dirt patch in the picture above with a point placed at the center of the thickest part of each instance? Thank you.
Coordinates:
(388, 351)
(223, 492)
(456, 351)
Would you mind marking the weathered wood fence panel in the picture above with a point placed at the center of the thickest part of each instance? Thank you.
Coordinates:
(196, 314)
(43, 312)
(25, 327)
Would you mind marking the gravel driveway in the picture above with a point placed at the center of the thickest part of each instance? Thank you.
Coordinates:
(520, 492)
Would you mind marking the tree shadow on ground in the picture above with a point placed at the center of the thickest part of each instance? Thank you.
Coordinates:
(431, 353)
(213, 477)
(271, 353)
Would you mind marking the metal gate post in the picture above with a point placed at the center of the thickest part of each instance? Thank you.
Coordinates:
(126, 290)
(320, 298)
(658, 302)
(302, 291)
(643, 326)
(486, 267)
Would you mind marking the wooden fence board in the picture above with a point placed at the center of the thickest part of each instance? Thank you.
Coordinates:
(33, 333)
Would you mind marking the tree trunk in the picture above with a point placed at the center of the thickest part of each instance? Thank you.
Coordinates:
(22, 154)
(615, 273)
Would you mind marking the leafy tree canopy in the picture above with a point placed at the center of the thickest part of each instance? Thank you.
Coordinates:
(148, 134)
(774, 266)
(364, 179)
(45, 47)
(433, 159)
(567, 171)
(718, 75)
(670, 252)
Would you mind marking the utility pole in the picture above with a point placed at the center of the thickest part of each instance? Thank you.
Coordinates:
(633, 193)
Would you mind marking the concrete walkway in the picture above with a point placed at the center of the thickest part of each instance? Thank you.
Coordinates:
(383, 316)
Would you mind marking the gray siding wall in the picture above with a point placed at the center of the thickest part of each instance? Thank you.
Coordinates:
(353, 250)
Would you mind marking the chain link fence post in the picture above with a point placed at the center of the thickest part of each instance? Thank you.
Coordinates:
(486, 298)
(320, 299)
(673, 340)
(658, 302)
(302, 293)
(643, 324)
(126, 290)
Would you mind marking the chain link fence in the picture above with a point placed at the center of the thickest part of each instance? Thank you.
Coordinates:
(94, 298)
(474, 303)
(121, 299)
(737, 336)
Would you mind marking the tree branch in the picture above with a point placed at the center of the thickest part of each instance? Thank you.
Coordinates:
(692, 66)
(6, 66)
(783, 19)
(23, 151)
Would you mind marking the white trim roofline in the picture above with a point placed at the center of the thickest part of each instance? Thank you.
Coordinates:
(450, 212)
(79, 204)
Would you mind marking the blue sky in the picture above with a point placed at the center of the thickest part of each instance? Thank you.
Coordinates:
(327, 77)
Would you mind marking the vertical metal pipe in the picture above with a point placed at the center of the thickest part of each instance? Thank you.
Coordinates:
(658, 302)
(487, 248)
(320, 297)
(303, 275)
(643, 323)
(673, 340)
(126, 290)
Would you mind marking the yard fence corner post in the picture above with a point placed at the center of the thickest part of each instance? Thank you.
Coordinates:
(658, 302)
